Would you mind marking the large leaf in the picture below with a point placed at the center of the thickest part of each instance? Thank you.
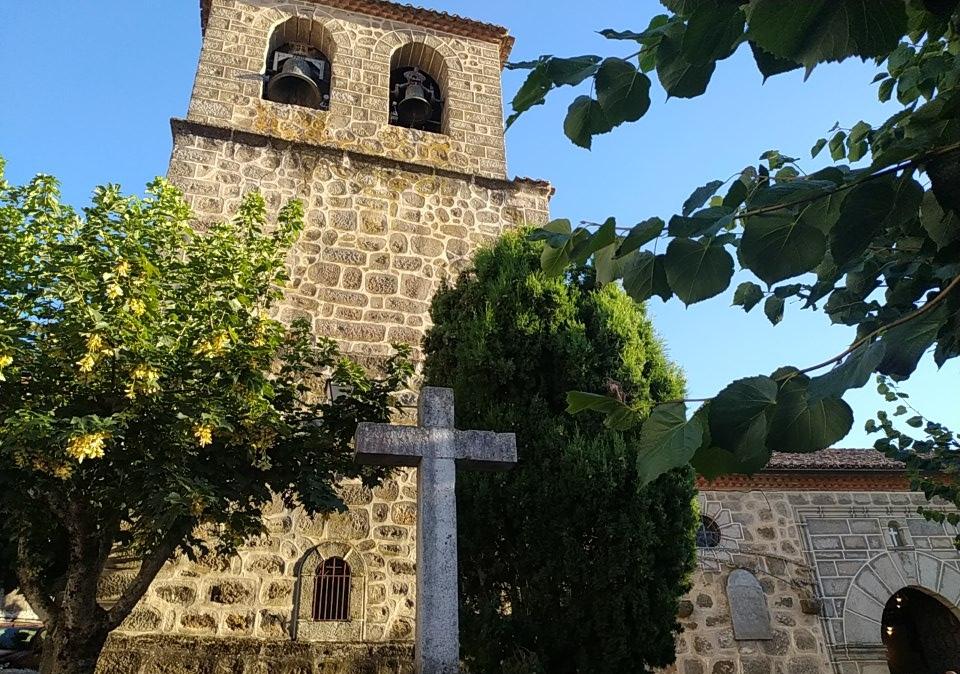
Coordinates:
(705, 222)
(815, 31)
(555, 258)
(700, 195)
(747, 295)
(941, 226)
(799, 424)
(532, 92)
(585, 119)
(862, 214)
(571, 71)
(667, 440)
(698, 269)
(640, 234)
(792, 192)
(773, 309)
(907, 342)
(677, 75)
(608, 267)
(644, 276)
(618, 415)
(855, 371)
(777, 247)
(622, 91)
(738, 416)
(770, 65)
(586, 246)
(712, 31)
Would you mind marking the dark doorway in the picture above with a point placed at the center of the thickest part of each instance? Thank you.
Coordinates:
(920, 634)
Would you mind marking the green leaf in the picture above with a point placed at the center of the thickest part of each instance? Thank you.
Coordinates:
(700, 195)
(706, 222)
(819, 145)
(572, 71)
(773, 309)
(678, 76)
(588, 244)
(608, 267)
(553, 260)
(738, 416)
(622, 91)
(861, 217)
(585, 119)
(915, 422)
(747, 295)
(532, 92)
(790, 192)
(619, 416)
(698, 269)
(885, 90)
(907, 342)
(640, 234)
(854, 372)
(801, 425)
(770, 65)
(712, 31)
(777, 247)
(736, 194)
(837, 149)
(943, 227)
(667, 440)
(817, 31)
(644, 276)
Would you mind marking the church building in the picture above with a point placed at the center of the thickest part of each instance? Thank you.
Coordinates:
(387, 121)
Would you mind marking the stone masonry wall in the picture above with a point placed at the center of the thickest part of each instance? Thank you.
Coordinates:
(229, 85)
(380, 236)
(758, 533)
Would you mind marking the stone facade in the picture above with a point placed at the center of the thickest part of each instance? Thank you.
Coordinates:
(390, 214)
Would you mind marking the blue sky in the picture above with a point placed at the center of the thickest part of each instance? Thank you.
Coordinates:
(91, 87)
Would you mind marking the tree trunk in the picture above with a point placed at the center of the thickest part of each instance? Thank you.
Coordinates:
(72, 651)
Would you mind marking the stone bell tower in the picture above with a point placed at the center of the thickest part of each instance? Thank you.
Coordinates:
(386, 121)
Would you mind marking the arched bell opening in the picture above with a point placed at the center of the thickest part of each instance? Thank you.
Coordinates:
(418, 76)
(920, 634)
(298, 70)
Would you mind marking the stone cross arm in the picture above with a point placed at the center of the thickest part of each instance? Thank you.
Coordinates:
(435, 437)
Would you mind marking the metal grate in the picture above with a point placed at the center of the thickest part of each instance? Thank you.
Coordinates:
(331, 598)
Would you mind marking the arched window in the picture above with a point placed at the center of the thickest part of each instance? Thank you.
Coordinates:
(895, 534)
(331, 597)
(708, 533)
(417, 82)
(298, 71)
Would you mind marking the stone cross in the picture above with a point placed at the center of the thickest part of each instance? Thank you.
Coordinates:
(436, 449)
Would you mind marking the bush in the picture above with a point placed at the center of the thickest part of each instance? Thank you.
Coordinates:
(565, 559)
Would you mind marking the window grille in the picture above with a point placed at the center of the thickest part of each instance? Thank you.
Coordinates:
(332, 593)
(708, 534)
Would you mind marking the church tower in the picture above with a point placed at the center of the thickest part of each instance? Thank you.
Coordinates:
(386, 120)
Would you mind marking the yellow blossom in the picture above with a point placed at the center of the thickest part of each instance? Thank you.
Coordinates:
(86, 363)
(87, 446)
(136, 306)
(5, 360)
(94, 343)
(196, 508)
(122, 269)
(203, 433)
(214, 346)
(143, 380)
(63, 471)
(114, 291)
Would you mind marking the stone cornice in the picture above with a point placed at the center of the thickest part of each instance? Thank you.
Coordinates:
(206, 130)
(880, 480)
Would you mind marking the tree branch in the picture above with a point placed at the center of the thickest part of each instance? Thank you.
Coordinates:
(30, 582)
(149, 567)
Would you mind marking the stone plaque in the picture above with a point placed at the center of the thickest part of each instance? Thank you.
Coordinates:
(748, 607)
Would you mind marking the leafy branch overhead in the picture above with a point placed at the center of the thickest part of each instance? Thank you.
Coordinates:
(875, 245)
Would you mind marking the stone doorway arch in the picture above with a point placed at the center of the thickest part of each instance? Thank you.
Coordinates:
(881, 578)
(920, 633)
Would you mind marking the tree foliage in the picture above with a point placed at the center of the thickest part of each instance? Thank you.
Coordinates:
(875, 246)
(567, 559)
(148, 401)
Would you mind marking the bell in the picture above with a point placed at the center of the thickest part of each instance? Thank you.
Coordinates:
(414, 109)
(294, 84)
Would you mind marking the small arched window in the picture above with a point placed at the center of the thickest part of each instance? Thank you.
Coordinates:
(417, 79)
(331, 597)
(298, 71)
(708, 533)
(895, 534)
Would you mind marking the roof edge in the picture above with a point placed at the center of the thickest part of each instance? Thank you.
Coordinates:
(420, 16)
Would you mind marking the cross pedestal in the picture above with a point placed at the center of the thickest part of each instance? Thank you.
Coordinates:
(437, 450)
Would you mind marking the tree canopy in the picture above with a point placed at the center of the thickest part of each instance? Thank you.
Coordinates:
(571, 556)
(148, 401)
(875, 245)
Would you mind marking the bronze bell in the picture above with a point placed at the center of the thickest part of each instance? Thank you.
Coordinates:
(414, 109)
(295, 84)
